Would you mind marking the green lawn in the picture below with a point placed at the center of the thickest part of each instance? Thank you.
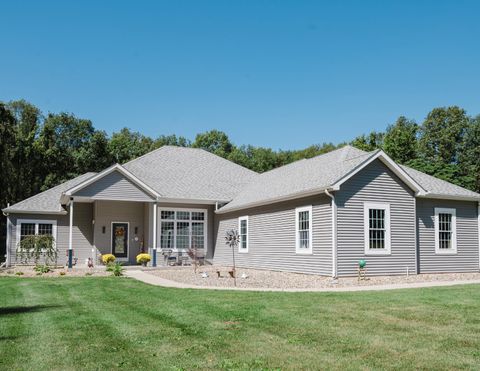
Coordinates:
(108, 323)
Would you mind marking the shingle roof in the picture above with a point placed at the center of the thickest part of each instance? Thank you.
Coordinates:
(190, 173)
(194, 174)
(299, 177)
(48, 201)
(322, 172)
(437, 186)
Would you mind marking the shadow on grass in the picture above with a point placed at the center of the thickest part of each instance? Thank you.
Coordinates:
(5, 311)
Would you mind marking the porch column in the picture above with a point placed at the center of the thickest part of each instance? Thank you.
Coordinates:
(154, 246)
(70, 237)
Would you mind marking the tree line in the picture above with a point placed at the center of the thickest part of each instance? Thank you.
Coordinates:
(39, 151)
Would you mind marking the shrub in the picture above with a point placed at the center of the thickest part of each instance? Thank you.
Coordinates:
(19, 273)
(62, 273)
(116, 269)
(143, 258)
(88, 274)
(108, 258)
(41, 269)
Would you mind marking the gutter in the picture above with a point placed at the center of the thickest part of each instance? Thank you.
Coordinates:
(13, 211)
(334, 233)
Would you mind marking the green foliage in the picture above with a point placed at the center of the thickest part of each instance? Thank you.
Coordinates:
(42, 269)
(369, 142)
(400, 140)
(214, 141)
(19, 273)
(33, 248)
(116, 269)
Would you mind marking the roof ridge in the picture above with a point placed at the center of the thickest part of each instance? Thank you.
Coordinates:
(145, 154)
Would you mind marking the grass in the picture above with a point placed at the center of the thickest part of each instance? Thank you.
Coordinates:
(109, 323)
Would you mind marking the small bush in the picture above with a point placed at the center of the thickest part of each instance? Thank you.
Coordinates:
(143, 258)
(88, 274)
(116, 269)
(19, 273)
(108, 258)
(42, 269)
(62, 273)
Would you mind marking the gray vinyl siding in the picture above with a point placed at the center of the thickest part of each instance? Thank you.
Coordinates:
(82, 236)
(466, 259)
(107, 212)
(375, 183)
(271, 237)
(114, 186)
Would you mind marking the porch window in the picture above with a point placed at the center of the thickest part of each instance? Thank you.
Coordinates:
(445, 231)
(35, 227)
(183, 229)
(377, 228)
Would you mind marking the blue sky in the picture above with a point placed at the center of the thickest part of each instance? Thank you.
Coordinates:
(281, 74)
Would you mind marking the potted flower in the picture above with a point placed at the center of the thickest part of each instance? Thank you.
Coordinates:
(143, 259)
(108, 259)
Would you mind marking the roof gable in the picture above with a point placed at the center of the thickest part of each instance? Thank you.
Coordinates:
(114, 186)
(111, 182)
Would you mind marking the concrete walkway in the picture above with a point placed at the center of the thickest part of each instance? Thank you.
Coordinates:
(159, 281)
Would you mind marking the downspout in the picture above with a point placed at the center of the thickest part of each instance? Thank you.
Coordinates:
(478, 230)
(334, 234)
(7, 242)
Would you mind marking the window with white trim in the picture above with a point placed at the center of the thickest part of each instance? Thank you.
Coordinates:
(183, 229)
(377, 228)
(243, 234)
(445, 231)
(303, 230)
(28, 227)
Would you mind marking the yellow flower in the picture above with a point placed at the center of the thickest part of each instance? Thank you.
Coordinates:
(108, 258)
(143, 258)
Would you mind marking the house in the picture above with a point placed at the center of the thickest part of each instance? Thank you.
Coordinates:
(319, 215)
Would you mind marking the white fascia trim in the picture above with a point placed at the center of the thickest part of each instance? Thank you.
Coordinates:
(392, 165)
(190, 201)
(366, 224)
(120, 169)
(41, 212)
(294, 196)
(240, 249)
(449, 197)
(453, 212)
(299, 250)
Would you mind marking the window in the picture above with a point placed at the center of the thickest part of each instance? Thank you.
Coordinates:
(183, 229)
(243, 234)
(303, 230)
(445, 231)
(35, 227)
(377, 228)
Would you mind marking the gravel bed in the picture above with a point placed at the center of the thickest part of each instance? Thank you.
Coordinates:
(256, 278)
(28, 271)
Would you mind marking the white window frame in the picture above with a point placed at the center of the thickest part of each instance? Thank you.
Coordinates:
(298, 249)
(453, 249)
(240, 248)
(175, 220)
(367, 206)
(36, 222)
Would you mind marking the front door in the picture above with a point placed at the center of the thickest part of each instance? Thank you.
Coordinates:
(120, 240)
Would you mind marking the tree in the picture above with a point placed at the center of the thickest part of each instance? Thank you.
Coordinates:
(369, 142)
(214, 141)
(64, 141)
(127, 145)
(400, 140)
(469, 157)
(441, 134)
